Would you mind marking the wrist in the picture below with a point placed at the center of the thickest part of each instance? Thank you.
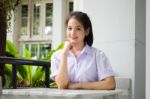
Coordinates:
(80, 85)
(64, 53)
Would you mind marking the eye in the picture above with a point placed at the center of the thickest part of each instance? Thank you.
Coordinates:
(78, 29)
(69, 28)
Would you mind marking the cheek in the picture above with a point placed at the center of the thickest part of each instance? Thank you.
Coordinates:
(83, 37)
(67, 35)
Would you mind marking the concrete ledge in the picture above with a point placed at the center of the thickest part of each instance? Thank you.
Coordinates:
(49, 93)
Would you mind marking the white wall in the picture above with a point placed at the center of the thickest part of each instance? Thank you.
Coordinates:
(148, 50)
(119, 30)
(59, 16)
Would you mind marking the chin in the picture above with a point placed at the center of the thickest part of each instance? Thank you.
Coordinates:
(73, 42)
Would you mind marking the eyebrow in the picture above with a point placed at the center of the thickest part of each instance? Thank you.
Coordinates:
(75, 26)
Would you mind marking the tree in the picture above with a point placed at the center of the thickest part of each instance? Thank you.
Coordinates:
(6, 7)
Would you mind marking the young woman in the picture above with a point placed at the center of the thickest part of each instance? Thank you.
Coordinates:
(79, 65)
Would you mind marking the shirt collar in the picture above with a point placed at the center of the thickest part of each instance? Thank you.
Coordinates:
(85, 50)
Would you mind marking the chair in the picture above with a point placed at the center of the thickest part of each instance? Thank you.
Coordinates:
(126, 85)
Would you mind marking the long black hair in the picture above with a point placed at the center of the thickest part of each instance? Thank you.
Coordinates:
(86, 22)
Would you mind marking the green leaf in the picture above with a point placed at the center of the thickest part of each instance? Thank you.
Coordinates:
(48, 57)
(28, 68)
(34, 74)
(22, 71)
(38, 75)
(10, 47)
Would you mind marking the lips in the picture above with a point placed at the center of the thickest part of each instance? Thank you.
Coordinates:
(74, 38)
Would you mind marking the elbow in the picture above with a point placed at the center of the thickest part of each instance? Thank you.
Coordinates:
(62, 83)
(62, 86)
(112, 87)
(112, 84)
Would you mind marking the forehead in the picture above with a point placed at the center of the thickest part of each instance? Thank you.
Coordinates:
(74, 22)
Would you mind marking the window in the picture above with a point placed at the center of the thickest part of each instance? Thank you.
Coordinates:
(24, 20)
(70, 6)
(37, 51)
(48, 18)
(36, 19)
(36, 27)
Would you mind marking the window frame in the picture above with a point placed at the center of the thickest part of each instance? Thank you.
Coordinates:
(30, 36)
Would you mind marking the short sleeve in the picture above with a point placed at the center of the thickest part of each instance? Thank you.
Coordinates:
(104, 68)
(54, 66)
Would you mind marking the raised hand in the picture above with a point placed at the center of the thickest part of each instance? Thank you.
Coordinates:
(67, 46)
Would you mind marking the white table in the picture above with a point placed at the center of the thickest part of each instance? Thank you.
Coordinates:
(47, 93)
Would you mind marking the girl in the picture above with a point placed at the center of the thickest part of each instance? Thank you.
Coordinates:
(79, 65)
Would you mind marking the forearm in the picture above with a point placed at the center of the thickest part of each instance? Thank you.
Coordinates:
(106, 84)
(62, 75)
(100, 85)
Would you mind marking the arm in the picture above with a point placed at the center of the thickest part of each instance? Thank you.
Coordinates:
(106, 84)
(62, 75)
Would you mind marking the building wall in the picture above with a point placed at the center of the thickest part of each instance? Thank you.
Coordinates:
(60, 12)
(140, 39)
(147, 49)
(119, 30)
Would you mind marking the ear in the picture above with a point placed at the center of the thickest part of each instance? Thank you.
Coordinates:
(87, 32)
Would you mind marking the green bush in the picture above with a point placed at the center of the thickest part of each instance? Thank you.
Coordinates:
(27, 76)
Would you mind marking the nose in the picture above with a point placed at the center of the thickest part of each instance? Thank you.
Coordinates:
(73, 31)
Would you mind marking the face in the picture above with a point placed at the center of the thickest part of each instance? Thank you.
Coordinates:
(75, 31)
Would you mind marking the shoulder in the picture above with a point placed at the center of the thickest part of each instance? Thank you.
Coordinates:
(98, 53)
(57, 54)
(96, 50)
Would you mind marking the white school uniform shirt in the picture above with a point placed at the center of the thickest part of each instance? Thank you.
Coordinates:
(90, 66)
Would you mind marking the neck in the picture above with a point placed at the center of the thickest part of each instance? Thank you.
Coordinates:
(78, 47)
